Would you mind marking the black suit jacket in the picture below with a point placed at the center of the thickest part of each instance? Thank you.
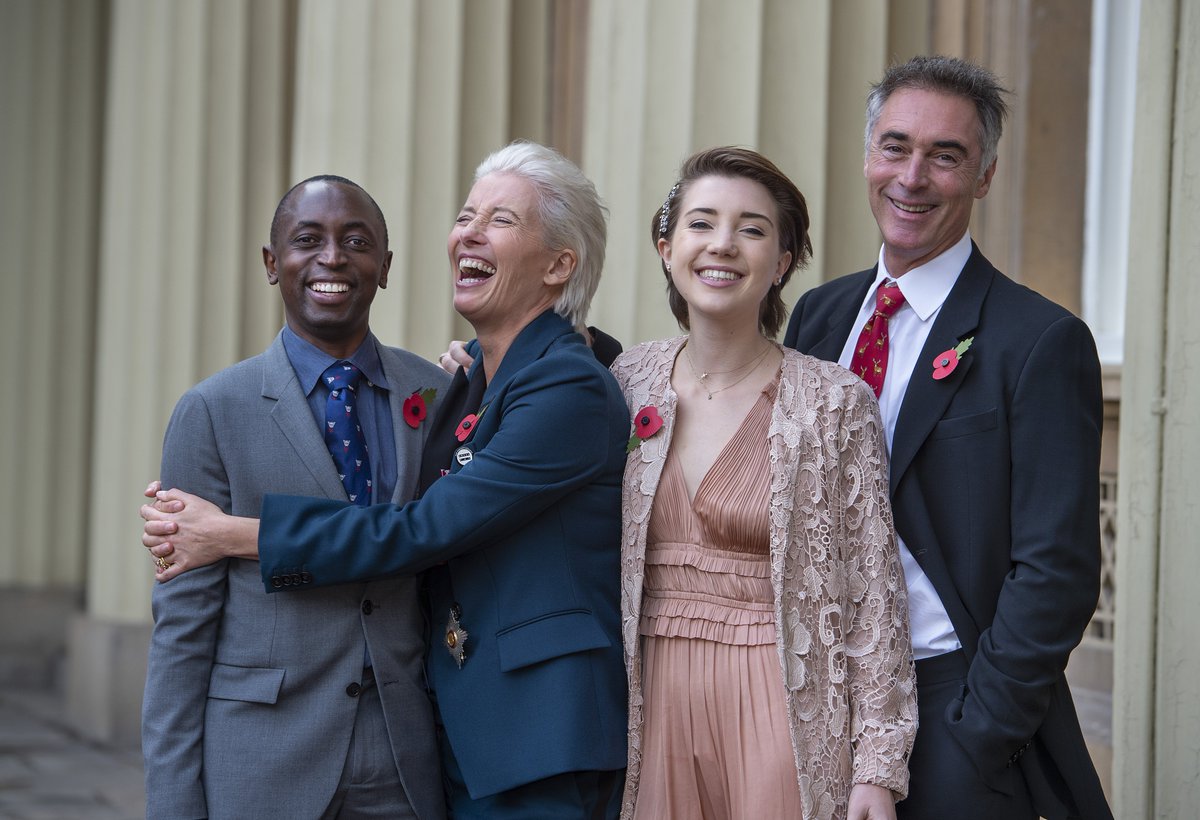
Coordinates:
(995, 491)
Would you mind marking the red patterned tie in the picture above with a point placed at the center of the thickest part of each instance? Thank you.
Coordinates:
(871, 351)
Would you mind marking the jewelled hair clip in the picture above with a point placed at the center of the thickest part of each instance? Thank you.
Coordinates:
(665, 216)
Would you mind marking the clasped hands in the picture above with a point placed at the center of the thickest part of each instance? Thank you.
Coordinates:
(181, 531)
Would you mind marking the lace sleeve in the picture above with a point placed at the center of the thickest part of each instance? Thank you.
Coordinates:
(878, 647)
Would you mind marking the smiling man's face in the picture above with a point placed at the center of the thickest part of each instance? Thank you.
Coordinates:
(923, 174)
(330, 261)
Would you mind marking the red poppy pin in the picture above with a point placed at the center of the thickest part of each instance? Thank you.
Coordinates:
(416, 406)
(646, 422)
(465, 427)
(945, 362)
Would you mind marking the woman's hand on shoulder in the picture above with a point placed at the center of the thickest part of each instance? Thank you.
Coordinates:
(456, 355)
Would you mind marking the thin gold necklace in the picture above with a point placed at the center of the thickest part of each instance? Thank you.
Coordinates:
(702, 378)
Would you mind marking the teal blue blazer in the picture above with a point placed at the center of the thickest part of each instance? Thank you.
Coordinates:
(524, 540)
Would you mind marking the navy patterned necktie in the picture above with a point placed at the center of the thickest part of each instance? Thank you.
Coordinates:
(343, 433)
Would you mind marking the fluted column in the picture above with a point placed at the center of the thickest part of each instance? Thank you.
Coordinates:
(191, 173)
(668, 78)
(406, 98)
(862, 47)
(50, 93)
(52, 54)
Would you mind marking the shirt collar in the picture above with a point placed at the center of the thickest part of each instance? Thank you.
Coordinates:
(309, 361)
(926, 286)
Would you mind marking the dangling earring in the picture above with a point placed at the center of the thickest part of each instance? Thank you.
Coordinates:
(668, 264)
(778, 281)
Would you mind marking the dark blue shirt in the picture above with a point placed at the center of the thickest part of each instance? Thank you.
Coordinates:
(374, 409)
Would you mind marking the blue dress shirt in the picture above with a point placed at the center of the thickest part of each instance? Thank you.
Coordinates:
(374, 410)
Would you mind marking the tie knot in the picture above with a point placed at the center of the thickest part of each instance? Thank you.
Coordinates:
(888, 299)
(341, 374)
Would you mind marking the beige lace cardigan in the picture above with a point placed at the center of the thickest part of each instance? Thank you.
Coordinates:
(840, 606)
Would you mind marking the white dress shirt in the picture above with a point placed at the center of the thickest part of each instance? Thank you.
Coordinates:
(925, 288)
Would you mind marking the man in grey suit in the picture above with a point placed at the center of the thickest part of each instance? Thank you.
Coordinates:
(263, 705)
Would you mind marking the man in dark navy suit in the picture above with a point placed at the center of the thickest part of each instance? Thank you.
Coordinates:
(991, 400)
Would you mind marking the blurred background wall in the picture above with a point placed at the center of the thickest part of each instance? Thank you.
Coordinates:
(145, 144)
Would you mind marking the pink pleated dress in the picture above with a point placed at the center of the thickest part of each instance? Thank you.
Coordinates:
(715, 740)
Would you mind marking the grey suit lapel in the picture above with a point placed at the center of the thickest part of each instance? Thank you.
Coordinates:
(407, 441)
(926, 398)
(295, 419)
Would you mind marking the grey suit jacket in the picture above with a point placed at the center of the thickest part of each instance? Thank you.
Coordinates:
(246, 710)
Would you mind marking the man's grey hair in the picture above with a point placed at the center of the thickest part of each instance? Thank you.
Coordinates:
(947, 75)
(571, 213)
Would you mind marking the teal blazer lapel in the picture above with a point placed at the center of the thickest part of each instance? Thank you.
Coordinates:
(531, 344)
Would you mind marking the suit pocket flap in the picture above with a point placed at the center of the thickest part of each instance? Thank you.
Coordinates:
(966, 425)
(560, 633)
(255, 684)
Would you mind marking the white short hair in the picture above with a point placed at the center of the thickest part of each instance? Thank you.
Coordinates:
(571, 213)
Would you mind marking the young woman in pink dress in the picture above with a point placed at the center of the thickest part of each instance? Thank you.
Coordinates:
(763, 604)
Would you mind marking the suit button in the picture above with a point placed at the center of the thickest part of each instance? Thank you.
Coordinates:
(306, 577)
(276, 581)
(1012, 761)
(286, 580)
(296, 578)
(353, 689)
(368, 607)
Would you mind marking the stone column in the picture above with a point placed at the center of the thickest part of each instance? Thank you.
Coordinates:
(789, 82)
(191, 172)
(1156, 710)
(406, 98)
(51, 95)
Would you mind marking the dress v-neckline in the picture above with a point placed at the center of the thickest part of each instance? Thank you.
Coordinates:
(673, 466)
